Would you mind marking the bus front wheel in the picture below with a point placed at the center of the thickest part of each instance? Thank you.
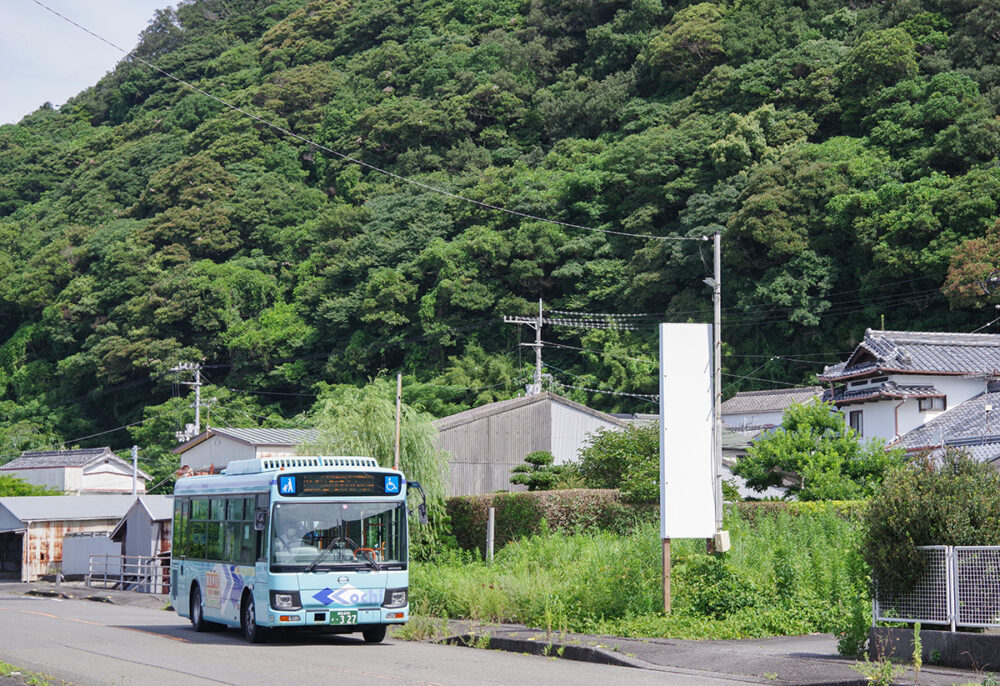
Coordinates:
(374, 633)
(198, 620)
(252, 632)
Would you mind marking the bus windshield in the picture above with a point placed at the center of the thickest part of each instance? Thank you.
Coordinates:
(306, 536)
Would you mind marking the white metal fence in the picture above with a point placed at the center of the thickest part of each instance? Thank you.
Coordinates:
(960, 586)
(129, 573)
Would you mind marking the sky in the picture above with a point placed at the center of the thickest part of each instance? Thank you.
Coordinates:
(45, 59)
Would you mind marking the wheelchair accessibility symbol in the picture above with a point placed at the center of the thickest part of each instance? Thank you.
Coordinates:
(392, 484)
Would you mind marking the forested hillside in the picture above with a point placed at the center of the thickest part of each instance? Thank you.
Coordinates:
(848, 153)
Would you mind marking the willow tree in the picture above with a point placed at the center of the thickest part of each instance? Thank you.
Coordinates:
(362, 422)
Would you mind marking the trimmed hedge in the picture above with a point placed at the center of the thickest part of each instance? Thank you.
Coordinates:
(751, 510)
(519, 515)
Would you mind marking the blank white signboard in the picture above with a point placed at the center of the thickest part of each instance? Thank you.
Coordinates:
(687, 481)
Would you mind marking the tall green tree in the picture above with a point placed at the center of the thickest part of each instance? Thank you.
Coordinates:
(816, 456)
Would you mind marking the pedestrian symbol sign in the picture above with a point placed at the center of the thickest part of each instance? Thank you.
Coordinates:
(392, 484)
(286, 485)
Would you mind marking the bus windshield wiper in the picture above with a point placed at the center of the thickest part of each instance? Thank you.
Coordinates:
(326, 549)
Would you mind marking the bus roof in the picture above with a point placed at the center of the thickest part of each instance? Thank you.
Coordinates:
(259, 474)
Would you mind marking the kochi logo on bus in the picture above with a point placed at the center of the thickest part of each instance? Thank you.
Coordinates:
(349, 595)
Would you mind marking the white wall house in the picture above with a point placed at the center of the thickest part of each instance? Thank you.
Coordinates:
(764, 408)
(897, 382)
(91, 471)
(213, 449)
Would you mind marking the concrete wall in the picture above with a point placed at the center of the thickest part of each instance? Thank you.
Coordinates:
(105, 477)
(77, 549)
(963, 649)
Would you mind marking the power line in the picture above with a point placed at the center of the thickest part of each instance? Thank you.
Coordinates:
(647, 398)
(354, 160)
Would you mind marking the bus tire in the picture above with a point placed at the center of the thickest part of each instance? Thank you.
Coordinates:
(198, 621)
(374, 633)
(252, 631)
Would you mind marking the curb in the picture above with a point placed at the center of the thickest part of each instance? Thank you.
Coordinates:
(50, 594)
(560, 650)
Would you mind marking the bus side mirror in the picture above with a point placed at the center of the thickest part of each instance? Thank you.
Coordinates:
(260, 519)
(422, 507)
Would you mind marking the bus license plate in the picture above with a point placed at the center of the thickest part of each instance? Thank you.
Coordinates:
(344, 617)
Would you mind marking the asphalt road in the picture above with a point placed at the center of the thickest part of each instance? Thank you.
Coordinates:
(87, 643)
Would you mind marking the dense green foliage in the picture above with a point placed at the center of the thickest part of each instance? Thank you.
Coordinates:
(627, 459)
(815, 456)
(954, 500)
(784, 575)
(847, 154)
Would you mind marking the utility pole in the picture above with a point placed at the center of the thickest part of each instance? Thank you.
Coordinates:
(191, 430)
(536, 324)
(135, 468)
(717, 363)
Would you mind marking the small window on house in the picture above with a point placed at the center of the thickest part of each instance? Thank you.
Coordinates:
(857, 422)
(879, 379)
(932, 404)
(855, 384)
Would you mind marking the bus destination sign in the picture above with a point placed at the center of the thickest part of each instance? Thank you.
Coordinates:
(338, 483)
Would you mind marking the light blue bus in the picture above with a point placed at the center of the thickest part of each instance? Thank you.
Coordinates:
(292, 543)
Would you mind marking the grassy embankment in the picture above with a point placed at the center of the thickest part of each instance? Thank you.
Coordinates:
(785, 575)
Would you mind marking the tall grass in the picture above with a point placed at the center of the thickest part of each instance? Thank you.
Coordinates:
(784, 575)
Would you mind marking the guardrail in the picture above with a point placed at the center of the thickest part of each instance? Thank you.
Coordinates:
(960, 587)
(129, 573)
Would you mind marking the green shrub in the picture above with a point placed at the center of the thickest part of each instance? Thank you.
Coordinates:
(627, 458)
(537, 473)
(786, 574)
(954, 500)
(519, 515)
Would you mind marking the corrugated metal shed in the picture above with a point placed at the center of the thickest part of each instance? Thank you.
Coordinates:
(50, 508)
(39, 524)
(487, 442)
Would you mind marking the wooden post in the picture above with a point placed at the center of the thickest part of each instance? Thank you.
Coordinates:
(666, 576)
(399, 405)
(490, 534)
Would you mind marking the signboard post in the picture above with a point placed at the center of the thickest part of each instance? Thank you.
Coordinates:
(688, 481)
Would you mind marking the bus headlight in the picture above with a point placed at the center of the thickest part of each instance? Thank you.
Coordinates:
(285, 600)
(395, 597)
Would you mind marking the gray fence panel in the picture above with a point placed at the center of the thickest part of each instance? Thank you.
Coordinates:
(928, 601)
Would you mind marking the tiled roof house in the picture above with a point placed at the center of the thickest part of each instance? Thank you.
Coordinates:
(918, 389)
(762, 409)
(77, 472)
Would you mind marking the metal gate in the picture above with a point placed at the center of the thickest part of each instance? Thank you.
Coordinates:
(960, 586)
